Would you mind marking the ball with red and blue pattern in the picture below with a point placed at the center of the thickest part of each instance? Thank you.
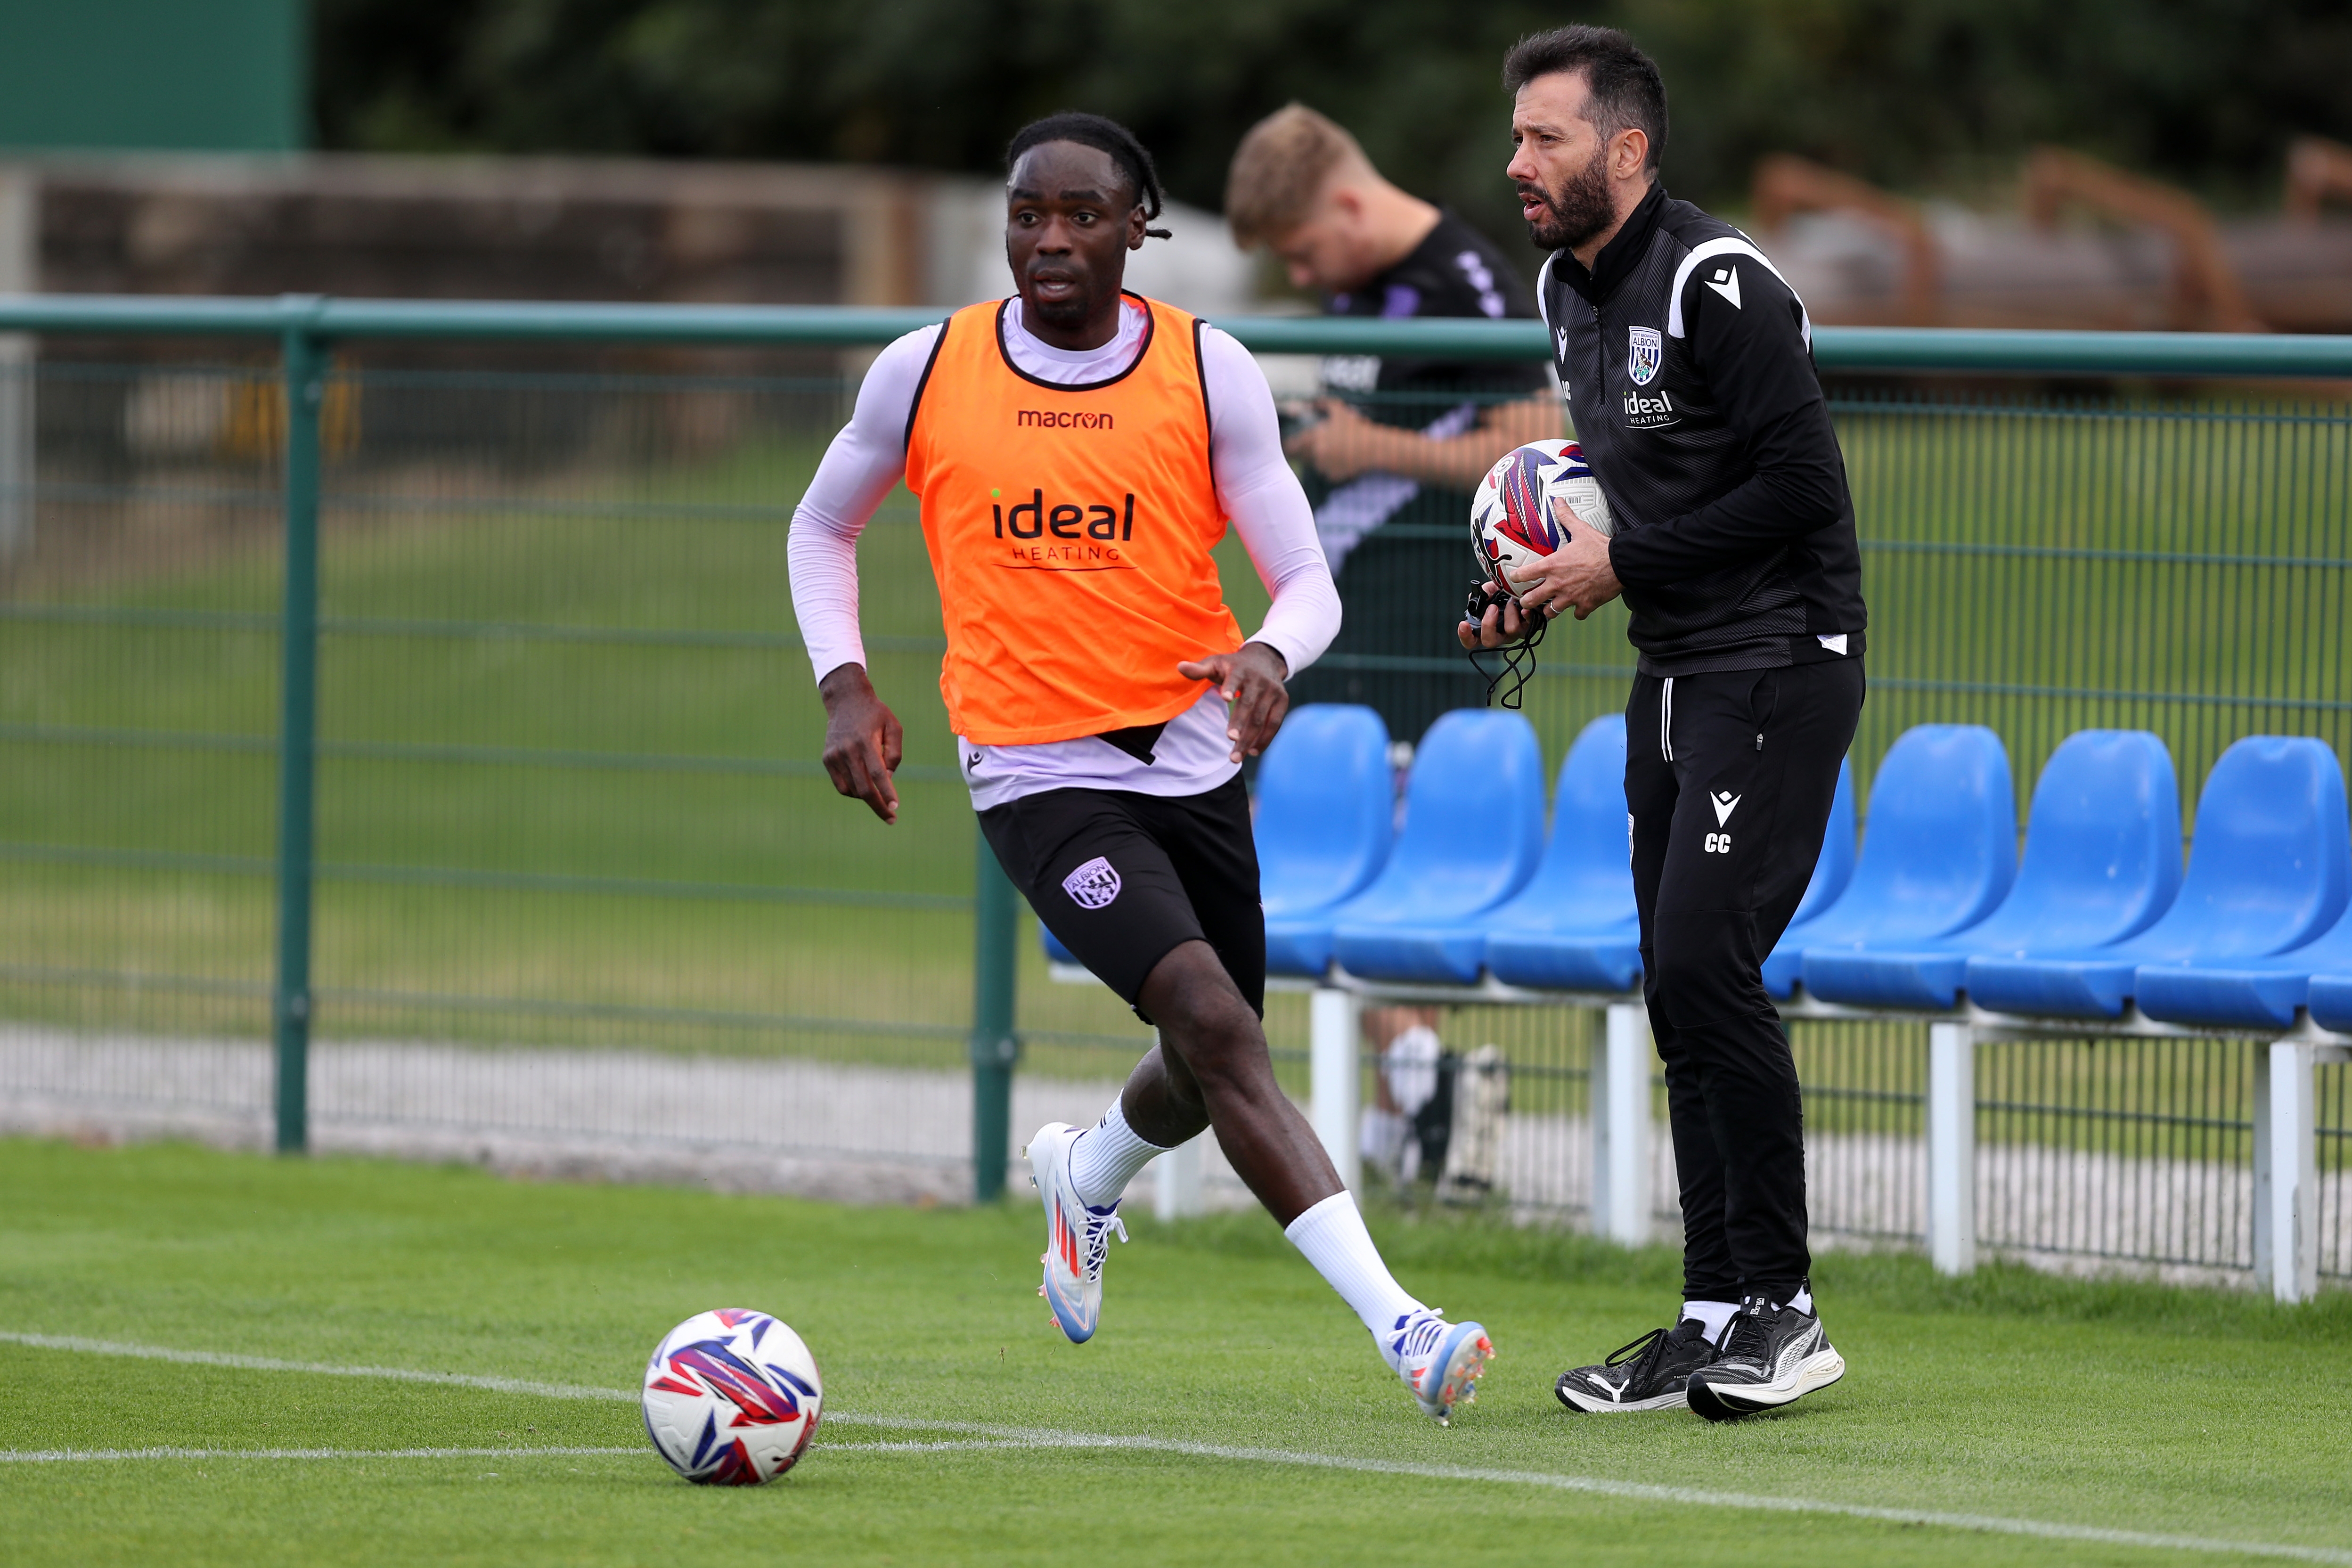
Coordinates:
(732, 1399)
(1514, 522)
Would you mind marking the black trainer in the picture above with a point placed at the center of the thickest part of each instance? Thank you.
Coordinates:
(1771, 1356)
(1647, 1374)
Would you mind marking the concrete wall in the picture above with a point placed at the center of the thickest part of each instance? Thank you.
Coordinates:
(552, 228)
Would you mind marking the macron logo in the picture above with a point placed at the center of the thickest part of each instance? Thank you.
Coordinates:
(1725, 804)
(1064, 419)
(1726, 283)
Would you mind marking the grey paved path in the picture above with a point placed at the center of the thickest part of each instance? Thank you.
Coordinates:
(904, 1135)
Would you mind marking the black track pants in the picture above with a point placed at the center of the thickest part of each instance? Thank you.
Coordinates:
(1729, 783)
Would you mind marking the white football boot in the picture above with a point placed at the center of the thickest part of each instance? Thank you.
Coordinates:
(1440, 1362)
(1078, 1237)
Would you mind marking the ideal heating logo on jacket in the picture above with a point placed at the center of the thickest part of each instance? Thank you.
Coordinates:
(1651, 413)
(1070, 535)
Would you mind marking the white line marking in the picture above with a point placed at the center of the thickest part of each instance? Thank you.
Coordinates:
(1638, 1492)
(953, 1445)
(95, 1456)
(324, 1369)
(84, 1456)
(1048, 1437)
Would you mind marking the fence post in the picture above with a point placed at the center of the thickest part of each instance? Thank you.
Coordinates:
(1336, 1094)
(1176, 1176)
(1176, 1182)
(1952, 1148)
(995, 970)
(1620, 1092)
(19, 267)
(2286, 1172)
(305, 366)
(2263, 1237)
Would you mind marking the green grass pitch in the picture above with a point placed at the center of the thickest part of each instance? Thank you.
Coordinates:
(2067, 1406)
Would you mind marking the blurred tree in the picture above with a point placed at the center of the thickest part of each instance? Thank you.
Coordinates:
(1919, 94)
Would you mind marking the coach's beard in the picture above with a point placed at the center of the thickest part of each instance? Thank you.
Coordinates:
(1579, 210)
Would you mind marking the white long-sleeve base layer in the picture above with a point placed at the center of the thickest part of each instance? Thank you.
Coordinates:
(1255, 485)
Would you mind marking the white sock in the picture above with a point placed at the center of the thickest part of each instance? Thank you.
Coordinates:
(1333, 1237)
(1105, 1157)
(1715, 1315)
(1803, 1300)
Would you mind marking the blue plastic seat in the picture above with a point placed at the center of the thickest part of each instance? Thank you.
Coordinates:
(1473, 811)
(1572, 926)
(2268, 870)
(1937, 855)
(1325, 819)
(1832, 874)
(2102, 863)
(1326, 809)
(2331, 1001)
(2253, 992)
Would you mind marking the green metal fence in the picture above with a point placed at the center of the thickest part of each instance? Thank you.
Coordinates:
(347, 701)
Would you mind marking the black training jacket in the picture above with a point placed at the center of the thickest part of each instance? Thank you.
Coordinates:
(1687, 365)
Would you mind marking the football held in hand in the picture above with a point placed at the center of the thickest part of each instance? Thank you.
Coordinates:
(1526, 505)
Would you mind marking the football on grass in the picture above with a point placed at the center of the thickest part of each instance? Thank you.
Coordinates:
(1513, 524)
(732, 1399)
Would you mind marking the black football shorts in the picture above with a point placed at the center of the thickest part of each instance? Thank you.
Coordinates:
(1122, 878)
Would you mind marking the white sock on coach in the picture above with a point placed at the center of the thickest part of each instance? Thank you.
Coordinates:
(1105, 1157)
(1803, 1300)
(1333, 1237)
(1715, 1315)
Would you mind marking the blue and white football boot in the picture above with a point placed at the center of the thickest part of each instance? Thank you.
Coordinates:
(1078, 1237)
(1440, 1362)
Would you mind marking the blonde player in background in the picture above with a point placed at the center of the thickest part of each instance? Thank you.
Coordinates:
(1398, 444)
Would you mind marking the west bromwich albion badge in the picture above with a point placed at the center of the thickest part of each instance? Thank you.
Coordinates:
(1645, 351)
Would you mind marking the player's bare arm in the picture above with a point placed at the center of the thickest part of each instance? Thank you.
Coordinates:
(1251, 682)
(1344, 444)
(862, 741)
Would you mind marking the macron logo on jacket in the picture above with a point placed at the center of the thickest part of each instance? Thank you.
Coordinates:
(1736, 244)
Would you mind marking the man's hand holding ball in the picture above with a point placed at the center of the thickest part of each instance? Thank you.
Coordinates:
(1575, 576)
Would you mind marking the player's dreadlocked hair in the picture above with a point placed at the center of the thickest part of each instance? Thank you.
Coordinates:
(1103, 135)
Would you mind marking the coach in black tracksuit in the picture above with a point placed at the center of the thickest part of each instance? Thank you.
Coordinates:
(1686, 361)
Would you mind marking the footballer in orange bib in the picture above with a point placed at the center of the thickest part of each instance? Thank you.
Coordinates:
(1070, 529)
(1079, 452)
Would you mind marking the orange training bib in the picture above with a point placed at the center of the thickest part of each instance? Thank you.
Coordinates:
(1070, 529)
